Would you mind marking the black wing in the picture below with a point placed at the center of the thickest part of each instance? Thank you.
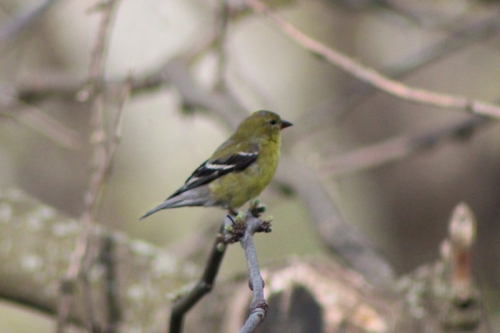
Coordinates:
(213, 169)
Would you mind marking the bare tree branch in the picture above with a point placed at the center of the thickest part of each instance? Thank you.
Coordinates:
(44, 124)
(185, 302)
(258, 305)
(400, 147)
(374, 78)
(102, 161)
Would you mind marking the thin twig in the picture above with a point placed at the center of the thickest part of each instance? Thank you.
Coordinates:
(98, 134)
(222, 20)
(101, 161)
(355, 94)
(45, 125)
(182, 305)
(455, 40)
(116, 135)
(99, 52)
(374, 78)
(398, 148)
(104, 173)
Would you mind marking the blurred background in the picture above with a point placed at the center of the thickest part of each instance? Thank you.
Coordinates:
(402, 204)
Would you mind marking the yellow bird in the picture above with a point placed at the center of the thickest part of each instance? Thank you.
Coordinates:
(238, 170)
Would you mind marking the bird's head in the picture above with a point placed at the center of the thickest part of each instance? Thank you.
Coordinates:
(262, 124)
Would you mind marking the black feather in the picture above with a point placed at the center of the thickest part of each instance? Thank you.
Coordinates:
(213, 169)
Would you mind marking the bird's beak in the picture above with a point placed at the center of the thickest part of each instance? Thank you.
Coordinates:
(285, 124)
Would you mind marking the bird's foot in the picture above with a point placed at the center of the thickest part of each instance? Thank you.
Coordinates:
(236, 223)
(236, 230)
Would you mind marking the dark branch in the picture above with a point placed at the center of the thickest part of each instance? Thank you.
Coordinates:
(108, 258)
(182, 305)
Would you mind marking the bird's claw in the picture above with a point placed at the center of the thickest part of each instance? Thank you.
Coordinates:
(234, 232)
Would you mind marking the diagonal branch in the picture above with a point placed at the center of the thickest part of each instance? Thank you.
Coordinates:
(374, 78)
(44, 124)
(183, 304)
(400, 147)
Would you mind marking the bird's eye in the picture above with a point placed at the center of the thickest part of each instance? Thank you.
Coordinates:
(272, 122)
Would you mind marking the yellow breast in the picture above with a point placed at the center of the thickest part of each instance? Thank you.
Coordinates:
(235, 189)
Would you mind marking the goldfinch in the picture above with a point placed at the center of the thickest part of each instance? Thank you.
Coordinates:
(238, 170)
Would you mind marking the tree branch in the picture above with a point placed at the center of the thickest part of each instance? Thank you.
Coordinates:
(400, 147)
(374, 78)
(185, 302)
(102, 161)
(258, 305)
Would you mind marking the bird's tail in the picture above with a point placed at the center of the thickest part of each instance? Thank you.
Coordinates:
(190, 198)
(164, 205)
